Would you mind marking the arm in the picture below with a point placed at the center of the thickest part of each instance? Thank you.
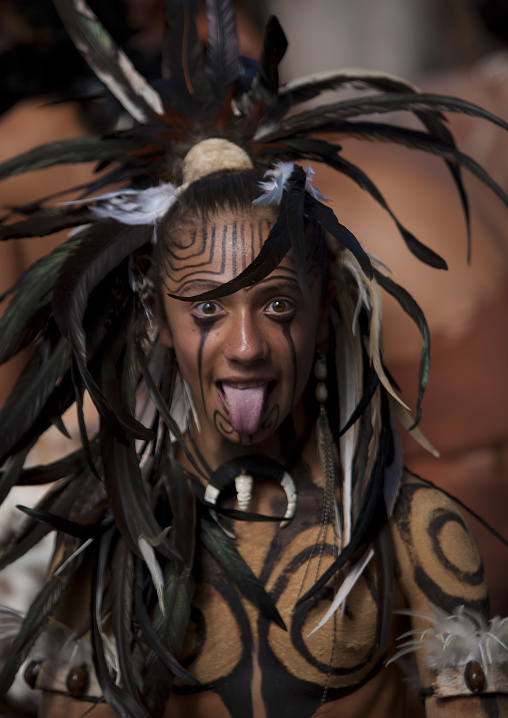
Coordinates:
(441, 577)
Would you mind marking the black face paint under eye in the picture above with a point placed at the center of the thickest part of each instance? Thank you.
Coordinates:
(284, 317)
(204, 328)
(287, 335)
(204, 324)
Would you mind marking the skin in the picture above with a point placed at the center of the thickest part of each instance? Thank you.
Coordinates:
(248, 665)
(265, 333)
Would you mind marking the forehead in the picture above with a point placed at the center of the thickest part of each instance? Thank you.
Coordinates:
(218, 249)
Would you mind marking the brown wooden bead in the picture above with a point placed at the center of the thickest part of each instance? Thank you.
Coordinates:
(77, 681)
(474, 677)
(31, 673)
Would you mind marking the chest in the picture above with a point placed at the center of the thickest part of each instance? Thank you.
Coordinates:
(232, 648)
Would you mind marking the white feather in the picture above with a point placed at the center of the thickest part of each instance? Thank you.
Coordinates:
(406, 420)
(146, 548)
(458, 638)
(275, 183)
(137, 82)
(355, 76)
(73, 556)
(347, 379)
(57, 642)
(310, 186)
(130, 206)
(347, 586)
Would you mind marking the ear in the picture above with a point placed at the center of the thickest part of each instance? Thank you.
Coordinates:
(165, 335)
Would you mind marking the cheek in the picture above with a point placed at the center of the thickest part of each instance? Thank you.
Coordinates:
(306, 337)
(305, 351)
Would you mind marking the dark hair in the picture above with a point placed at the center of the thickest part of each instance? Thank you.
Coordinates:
(494, 14)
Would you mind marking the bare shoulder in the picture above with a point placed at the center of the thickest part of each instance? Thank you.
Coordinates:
(55, 705)
(436, 556)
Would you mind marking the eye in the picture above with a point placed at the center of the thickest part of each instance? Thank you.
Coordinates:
(280, 307)
(208, 309)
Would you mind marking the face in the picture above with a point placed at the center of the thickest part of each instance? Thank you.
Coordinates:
(246, 357)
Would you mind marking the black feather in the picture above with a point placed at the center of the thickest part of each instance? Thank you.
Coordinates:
(29, 308)
(183, 507)
(329, 222)
(183, 59)
(27, 400)
(108, 62)
(46, 474)
(370, 519)
(122, 599)
(162, 407)
(40, 224)
(84, 149)
(80, 275)
(165, 638)
(226, 554)
(307, 88)
(58, 523)
(119, 700)
(127, 493)
(60, 499)
(294, 210)
(265, 84)
(222, 61)
(274, 48)
(418, 103)
(421, 251)
(412, 309)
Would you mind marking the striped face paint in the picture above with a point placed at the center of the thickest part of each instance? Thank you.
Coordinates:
(246, 357)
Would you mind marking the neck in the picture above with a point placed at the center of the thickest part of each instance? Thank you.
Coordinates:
(284, 446)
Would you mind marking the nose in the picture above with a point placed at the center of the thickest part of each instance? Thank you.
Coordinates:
(246, 342)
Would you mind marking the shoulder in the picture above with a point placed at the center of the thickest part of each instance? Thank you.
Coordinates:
(54, 705)
(436, 556)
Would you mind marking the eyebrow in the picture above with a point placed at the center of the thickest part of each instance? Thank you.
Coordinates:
(198, 286)
(280, 279)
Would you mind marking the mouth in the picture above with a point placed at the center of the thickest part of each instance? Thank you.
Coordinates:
(245, 402)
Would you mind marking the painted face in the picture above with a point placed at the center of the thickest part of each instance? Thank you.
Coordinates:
(246, 357)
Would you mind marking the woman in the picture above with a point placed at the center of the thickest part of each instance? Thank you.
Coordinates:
(237, 537)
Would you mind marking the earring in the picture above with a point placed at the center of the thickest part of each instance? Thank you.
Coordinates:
(325, 442)
(321, 372)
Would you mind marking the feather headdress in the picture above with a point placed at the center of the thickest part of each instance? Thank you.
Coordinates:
(121, 501)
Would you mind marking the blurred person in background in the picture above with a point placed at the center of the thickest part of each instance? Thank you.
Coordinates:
(466, 307)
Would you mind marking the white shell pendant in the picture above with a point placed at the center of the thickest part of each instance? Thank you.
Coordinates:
(212, 493)
(243, 484)
(289, 487)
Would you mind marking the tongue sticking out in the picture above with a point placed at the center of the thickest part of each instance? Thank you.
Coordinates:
(245, 407)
